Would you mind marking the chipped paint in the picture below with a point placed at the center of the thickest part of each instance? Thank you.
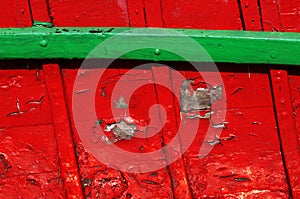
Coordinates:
(121, 103)
(120, 131)
(199, 99)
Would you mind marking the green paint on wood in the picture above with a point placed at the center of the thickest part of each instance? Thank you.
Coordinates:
(222, 46)
(42, 24)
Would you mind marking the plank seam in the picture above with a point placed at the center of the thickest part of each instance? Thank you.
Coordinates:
(241, 14)
(275, 99)
(68, 165)
(260, 15)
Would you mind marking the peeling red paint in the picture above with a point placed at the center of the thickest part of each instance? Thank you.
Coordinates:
(98, 178)
(36, 153)
(29, 163)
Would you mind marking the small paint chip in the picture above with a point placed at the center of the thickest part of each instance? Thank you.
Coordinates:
(121, 103)
(120, 131)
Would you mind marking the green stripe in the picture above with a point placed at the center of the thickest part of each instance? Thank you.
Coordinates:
(222, 46)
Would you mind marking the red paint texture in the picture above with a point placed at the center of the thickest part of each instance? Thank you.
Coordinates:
(40, 10)
(29, 165)
(294, 81)
(251, 15)
(202, 15)
(154, 15)
(89, 13)
(287, 126)
(281, 15)
(167, 99)
(269, 15)
(136, 13)
(25, 88)
(37, 157)
(14, 13)
(243, 164)
(98, 180)
(240, 167)
(66, 154)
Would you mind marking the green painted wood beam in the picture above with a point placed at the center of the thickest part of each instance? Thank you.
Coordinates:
(222, 46)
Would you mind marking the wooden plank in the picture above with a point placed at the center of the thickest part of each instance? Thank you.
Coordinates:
(38, 185)
(153, 12)
(251, 12)
(165, 97)
(40, 10)
(24, 100)
(287, 127)
(215, 15)
(136, 13)
(97, 176)
(271, 15)
(15, 13)
(68, 164)
(29, 165)
(227, 171)
(89, 13)
(222, 46)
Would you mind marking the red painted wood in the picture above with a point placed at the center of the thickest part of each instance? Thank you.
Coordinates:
(40, 185)
(289, 15)
(40, 10)
(145, 13)
(136, 13)
(68, 164)
(154, 15)
(271, 15)
(165, 98)
(281, 15)
(205, 15)
(14, 13)
(29, 164)
(294, 81)
(251, 15)
(89, 13)
(228, 170)
(31, 153)
(25, 88)
(248, 166)
(248, 157)
(287, 127)
(91, 170)
(7, 13)
(22, 13)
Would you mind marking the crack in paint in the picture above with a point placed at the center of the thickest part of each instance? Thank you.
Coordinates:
(218, 140)
(20, 112)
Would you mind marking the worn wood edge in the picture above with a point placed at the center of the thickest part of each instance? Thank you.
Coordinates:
(222, 46)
